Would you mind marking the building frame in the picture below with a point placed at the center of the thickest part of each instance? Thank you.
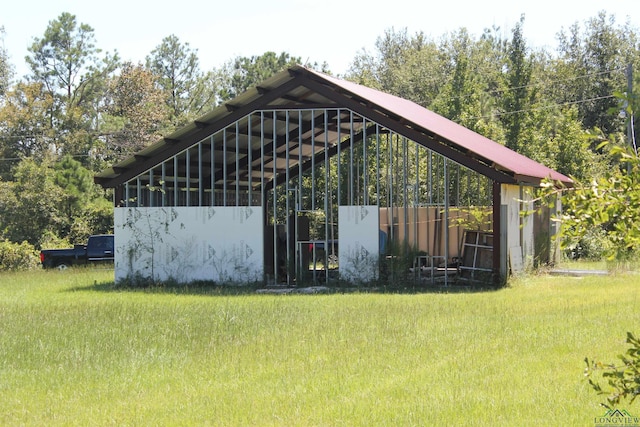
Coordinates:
(302, 155)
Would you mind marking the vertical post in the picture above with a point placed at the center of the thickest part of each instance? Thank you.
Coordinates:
(163, 200)
(630, 135)
(446, 222)
(313, 160)
(339, 160)
(224, 167)
(249, 163)
(274, 120)
(263, 194)
(200, 183)
(431, 249)
(405, 199)
(430, 175)
(327, 214)
(378, 165)
(416, 198)
(497, 226)
(262, 162)
(212, 202)
(365, 173)
(521, 220)
(187, 159)
(150, 190)
(380, 253)
(287, 202)
(390, 203)
(237, 163)
(299, 194)
(175, 181)
(351, 189)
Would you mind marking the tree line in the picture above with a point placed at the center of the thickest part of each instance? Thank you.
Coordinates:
(80, 109)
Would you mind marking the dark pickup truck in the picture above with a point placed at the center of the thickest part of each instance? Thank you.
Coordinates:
(99, 249)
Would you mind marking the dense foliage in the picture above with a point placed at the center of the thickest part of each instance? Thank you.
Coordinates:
(80, 109)
(17, 256)
(605, 211)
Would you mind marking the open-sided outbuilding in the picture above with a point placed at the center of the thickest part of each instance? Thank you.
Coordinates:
(307, 175)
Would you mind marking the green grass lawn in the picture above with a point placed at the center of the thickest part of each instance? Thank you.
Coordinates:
(75, 351)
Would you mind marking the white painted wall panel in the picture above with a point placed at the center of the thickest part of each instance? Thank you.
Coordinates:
(528, 238)
(510, 197)
(359, 248)
(220, 244)
(519, 227)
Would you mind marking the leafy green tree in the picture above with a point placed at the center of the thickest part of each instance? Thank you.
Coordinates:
(497, 87)
(135, 112)
(25, 130)
(554, 137)
(471, 95)
(517, 99)
(61, 56)
(65, 60)
(95, 218)
(410, 66)
(591, 68)
(457, 77)
(30, 205)
(188, 91)
(607, 204)
(76, 182)
(610, 203)
(47, 200)
(461, 80)
(244, 72)
(6, 69)
(83, 202)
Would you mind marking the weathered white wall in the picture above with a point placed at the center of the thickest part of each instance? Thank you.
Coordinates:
(519, 227)
(220, 244)
(527, 223)
(359, 249)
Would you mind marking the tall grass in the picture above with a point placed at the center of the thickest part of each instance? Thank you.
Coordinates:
(75, 351)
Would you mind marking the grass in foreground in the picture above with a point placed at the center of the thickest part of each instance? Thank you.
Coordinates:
(73, 351)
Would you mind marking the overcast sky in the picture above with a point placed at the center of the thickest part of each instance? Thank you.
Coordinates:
(326, 30)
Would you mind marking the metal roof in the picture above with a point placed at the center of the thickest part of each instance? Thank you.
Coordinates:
(301, 87)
